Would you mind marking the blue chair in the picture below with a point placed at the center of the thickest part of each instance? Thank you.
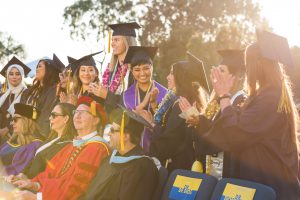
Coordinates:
(237, 186)
(162, 179)
(188, 185)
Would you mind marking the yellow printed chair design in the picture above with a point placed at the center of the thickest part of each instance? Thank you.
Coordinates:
(189, 185)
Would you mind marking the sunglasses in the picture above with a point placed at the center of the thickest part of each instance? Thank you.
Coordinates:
(15, 119)
(54, 115)
(113, 131)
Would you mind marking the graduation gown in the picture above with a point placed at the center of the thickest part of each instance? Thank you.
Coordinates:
(173, 141)
(70, 171)
(41, 159)
(44, 104)
(258, 137)
(132, 180)
(7, 152)
(130, 100)
(22, 157)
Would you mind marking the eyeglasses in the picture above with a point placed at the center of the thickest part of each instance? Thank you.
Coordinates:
(113, 131)
(81, 111)
(15, 119)
(54, 115)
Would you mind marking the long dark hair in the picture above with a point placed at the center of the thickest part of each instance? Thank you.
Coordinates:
(187, 84)
(51, 77)
(69, 131)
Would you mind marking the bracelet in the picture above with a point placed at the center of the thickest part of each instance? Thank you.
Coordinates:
(225, 96)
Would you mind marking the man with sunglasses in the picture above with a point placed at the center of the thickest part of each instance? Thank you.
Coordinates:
(68, 174)
(127, 174)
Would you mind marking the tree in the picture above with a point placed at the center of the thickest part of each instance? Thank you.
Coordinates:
(8, 47)
(201, 26)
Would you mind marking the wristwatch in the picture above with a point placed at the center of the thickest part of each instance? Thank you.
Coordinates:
(224, 96)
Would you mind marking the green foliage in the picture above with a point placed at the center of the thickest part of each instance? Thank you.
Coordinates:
(8, 47)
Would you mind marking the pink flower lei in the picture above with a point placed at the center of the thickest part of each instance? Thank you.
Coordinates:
(117, 78)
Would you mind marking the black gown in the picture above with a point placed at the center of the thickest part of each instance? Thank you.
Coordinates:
(173, 142)
(134, 180)
(259, 138)
(42, 159)
(44, 103)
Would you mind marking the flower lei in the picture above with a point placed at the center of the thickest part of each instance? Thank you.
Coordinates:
(117, 78)
(164, 106)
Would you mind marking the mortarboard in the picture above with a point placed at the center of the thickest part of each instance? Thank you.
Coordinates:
(274, 47)
(24, 110)
(127, 119)
(139, 54)
(87, 60)
(59, 64)
(233, 59)
(15, 61)
(197, 71)
(125, 29)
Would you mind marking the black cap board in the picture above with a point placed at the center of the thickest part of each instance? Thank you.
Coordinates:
(15, 61)
(25, 110)
(233, 59)
(136, 53)
(125, 29)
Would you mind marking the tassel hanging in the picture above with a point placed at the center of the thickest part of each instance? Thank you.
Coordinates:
(109, 42)
(93, 108)
(69, 80)
(284, 103)
(122, 131)
(57, 89)
(4, 88)
(34, 114)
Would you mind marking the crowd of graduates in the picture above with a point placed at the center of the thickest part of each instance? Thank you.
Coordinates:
(78, 134)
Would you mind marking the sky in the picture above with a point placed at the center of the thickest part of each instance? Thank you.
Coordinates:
(38, 24)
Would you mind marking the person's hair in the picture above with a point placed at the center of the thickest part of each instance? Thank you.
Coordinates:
(135, 137)
(187, 86)
(51, 77)
(69, 131)
(263, 73)
(129, 41)
(77, 84)
(30, 131)
(141, 59)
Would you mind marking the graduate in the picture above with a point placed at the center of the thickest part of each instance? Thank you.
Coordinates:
(70, 171)
(171, 142)
(127, 174)
(232, 63)
(19, 150)
(42, 94)
(15, 72)
(145, 93)
(262, 135)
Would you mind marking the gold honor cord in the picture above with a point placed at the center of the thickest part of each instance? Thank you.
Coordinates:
(122, 131)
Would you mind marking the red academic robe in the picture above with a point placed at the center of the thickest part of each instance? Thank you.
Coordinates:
(76, 179)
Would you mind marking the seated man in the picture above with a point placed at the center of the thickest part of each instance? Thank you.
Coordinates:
(127, 174)
(70, 171)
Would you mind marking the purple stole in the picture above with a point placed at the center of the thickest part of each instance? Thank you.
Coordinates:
(129, 99)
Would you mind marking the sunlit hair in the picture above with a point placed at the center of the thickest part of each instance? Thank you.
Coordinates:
(77, 84)
(29, 132)
(186, 87)
(128, 41)
(69, 131)
(263, 73)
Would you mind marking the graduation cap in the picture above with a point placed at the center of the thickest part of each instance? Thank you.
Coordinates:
(96, 108)
(233, 59)
(87, 60)
(140, 54)
(125, 29)
(127, 119)
(197, 70)
(15, 61)
(59, 64)
(25, 110)
(274, 47)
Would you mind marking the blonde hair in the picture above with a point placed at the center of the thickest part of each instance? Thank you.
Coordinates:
(263, 73)
(128, 41)
(29, 129)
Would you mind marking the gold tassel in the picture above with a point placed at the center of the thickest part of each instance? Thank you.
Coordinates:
(4, 88)
(284, 105)
(122, 131)
(57, 89)
(93, 108)
(69, 80)
(109, 42)
(34, 114)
